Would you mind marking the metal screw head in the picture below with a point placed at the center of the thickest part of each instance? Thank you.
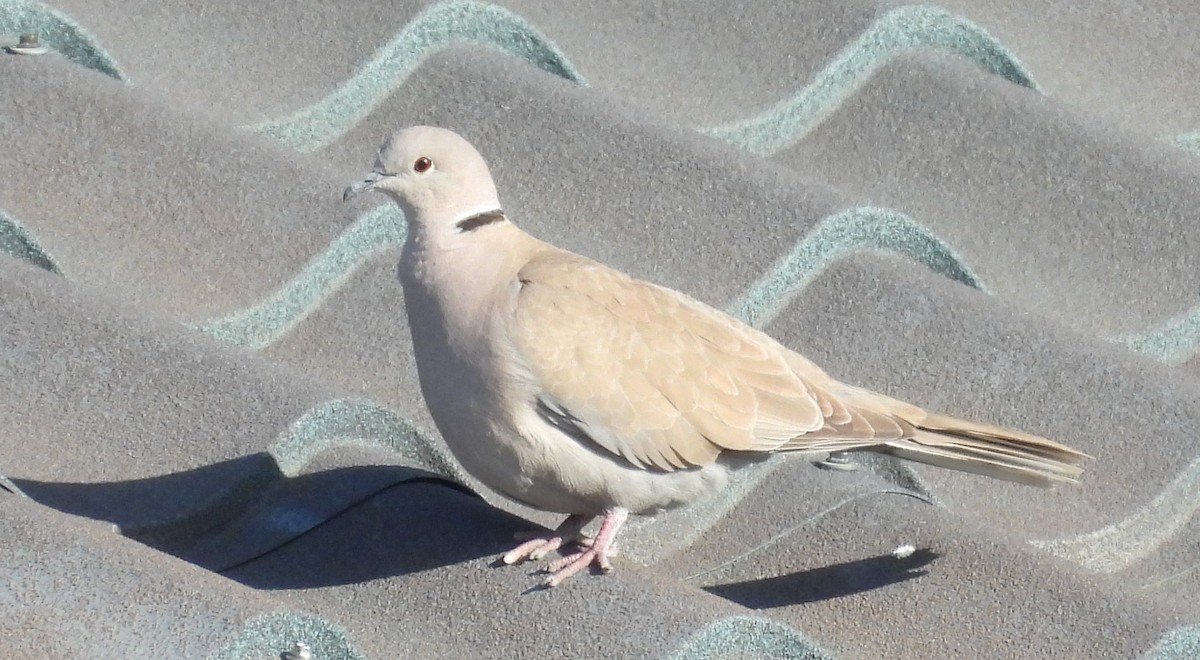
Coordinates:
(28, 44)
(838, 460)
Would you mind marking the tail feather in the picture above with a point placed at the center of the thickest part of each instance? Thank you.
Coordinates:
(992, 452)
(949, 442)
(1033, 443)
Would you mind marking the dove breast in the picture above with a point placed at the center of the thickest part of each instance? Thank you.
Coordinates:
(493, 409)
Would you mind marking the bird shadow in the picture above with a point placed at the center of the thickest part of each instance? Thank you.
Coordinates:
(826, 582)
(410, 527)
(246, 520)
(164, 511)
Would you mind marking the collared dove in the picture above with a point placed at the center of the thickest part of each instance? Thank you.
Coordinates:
(574, 388)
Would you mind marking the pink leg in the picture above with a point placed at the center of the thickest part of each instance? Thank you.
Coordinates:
(539, 546)
(598, 552)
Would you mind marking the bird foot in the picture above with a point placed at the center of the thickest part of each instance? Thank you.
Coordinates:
(537, 544)
(534, 549)
(571, 564)
(588, 541)
(596, 550)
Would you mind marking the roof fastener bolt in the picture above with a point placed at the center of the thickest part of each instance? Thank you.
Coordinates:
(28, 45)
(838, 460)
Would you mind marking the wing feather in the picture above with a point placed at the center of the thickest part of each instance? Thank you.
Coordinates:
(653, 376)
(667, 382)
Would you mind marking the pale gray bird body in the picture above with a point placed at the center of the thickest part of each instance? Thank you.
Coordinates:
(572, 387)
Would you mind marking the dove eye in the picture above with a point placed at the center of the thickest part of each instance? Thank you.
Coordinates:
(422, 165)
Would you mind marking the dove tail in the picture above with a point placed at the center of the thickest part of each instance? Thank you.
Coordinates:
(989, 450)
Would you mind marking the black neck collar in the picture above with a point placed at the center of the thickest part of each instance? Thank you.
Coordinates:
(479, 220)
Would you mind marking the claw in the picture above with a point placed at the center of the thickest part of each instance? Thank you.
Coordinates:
(595, 550)
(533, 549)
(537, 544)
(568, 566)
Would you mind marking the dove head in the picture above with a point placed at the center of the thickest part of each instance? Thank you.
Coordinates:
(436, 177)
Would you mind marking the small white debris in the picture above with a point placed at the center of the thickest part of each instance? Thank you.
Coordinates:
(903, 551)
(300, 651)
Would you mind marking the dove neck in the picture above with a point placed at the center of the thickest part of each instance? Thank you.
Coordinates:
(438, 225)
(447, 262)
(451, 294)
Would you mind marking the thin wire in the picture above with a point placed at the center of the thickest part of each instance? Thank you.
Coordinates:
(775, 539)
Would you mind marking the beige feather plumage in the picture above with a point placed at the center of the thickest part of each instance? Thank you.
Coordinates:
(573, 387)
(673, 383)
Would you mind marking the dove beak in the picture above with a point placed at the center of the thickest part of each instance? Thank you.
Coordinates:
(357, 187)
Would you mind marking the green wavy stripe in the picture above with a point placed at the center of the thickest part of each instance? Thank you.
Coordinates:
(1188, 142)
(1122, 544)
(358, 423)
(432, 30)
(836, 236)
(58, 31)
(748, 637)
(1174, 342)
(16, 242)
(384, 227)
(1182, 643)
(270, 635)
(895, 32)
(258, 326)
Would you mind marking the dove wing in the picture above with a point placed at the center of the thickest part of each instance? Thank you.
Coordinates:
(664, 380)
